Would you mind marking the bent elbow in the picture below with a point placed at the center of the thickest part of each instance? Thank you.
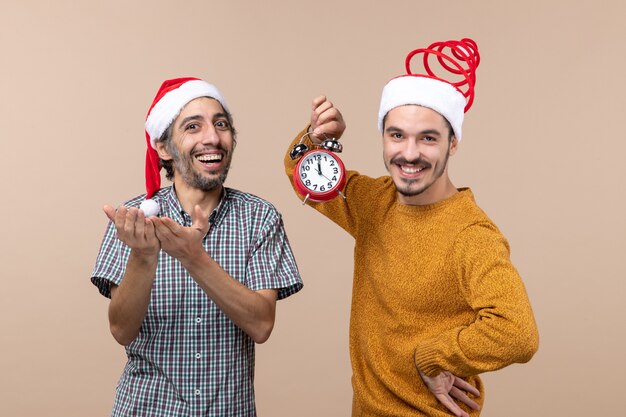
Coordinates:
(527, 343)
(532, 346)
(121, 336)
(262, 332)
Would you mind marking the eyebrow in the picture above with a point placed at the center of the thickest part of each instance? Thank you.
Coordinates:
(432, 132)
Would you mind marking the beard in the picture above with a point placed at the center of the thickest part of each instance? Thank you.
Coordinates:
(405, 186)
(183, 164)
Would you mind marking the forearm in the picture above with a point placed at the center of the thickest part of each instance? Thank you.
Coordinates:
(130, 300)
(488, 344)
(503, 331)
(252, 311)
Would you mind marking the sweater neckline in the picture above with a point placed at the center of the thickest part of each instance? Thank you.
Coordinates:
(463, 193)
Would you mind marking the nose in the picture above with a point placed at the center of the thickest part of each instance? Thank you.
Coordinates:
(210, 136)
(411, 150)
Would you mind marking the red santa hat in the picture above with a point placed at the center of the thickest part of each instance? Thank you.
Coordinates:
(448, 97)
(172, 96)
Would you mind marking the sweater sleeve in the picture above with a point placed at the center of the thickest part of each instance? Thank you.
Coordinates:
(340, 211)
(504, 330)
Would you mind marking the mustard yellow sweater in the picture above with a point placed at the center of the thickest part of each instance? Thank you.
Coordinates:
(433, 289)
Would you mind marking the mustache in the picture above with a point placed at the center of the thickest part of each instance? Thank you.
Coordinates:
(205, 149)
(419, 161)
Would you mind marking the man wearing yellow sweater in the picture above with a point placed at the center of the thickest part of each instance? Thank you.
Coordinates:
(436, 300)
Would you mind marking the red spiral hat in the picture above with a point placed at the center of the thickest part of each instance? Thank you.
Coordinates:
(444, 83)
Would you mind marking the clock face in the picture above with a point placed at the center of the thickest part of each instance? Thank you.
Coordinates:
(320, 174)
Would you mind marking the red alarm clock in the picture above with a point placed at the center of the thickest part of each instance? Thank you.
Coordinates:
(319, 175)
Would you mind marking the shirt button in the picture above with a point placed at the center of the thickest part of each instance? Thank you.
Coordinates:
(197, 392)
(198, 356)
(198, 320)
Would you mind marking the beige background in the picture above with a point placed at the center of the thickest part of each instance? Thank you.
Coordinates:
(542, 149)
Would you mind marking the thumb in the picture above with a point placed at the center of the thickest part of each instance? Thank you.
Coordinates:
(199, 220)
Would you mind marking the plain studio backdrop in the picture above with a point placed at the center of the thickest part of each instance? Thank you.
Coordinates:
(542, 149)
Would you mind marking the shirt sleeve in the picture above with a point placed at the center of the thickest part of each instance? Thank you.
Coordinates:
(110, 263)
(504, 329)
(272, 264)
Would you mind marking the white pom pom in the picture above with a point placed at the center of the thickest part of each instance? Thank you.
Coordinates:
(149, 207)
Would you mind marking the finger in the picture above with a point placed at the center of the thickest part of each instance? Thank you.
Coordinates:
(200, 221)
(110, 212)
(140, 221)
(461, 396)
(447, 402)
(318, 112)
(120, 217)
(165, 228)
(332, 129)
(329, 115)
(161, 232)
(322, 108)
(159, 227)
(150, 231)
(129, 223)
(317, 101)
(466, 386)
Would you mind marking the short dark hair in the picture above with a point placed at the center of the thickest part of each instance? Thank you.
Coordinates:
(447, 123)
(166, 137)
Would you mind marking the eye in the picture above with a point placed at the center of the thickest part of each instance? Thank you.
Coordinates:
(222, 124)
(429, 139)
(192, 126)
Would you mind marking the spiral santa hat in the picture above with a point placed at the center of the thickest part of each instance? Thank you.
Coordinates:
(445, 85)
(173, 95)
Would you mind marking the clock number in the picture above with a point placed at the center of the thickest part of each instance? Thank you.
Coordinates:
(334, 178)
(332, 162)
(335, 170)
(322, 188)
(308, 168)
(330, 185)
(303, 175)
(307, 182)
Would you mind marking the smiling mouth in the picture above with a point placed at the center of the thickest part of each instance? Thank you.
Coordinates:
(210, 159)
(411, 169)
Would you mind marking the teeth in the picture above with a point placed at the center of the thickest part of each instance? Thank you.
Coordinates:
(410, 170)
(209, 157)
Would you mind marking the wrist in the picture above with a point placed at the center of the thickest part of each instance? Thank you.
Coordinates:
(196, 258)
(142, 256)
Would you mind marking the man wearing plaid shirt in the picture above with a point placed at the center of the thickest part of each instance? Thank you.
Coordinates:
(193, 270)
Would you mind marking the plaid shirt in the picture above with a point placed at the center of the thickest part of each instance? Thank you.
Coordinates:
(189, 358)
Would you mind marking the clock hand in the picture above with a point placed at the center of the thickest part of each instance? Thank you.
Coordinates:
(329, 180)
(319, 167)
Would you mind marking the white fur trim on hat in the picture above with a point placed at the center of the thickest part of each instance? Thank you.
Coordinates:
(150, 207)
(167, 109)
(440, 96)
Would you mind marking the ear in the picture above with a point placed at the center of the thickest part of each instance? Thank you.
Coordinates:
(161, 149)
(454, 145)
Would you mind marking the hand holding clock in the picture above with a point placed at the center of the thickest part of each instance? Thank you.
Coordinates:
(326, 127)
(326, 120)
